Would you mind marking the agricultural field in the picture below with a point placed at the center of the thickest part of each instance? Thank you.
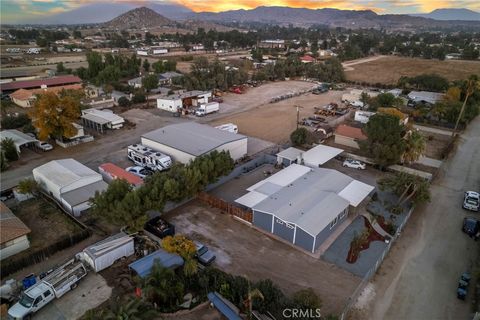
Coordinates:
(388, 69)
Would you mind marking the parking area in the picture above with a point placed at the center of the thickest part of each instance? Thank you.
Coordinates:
(242, 250)
(91, 292)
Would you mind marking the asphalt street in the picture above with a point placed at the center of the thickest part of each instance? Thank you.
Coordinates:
(418, 279)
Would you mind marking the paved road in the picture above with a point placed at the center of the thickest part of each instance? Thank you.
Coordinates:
(445, 132)
(108, 148)
(418, 279)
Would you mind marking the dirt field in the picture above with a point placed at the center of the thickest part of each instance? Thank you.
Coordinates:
(388, 69)
(272, 121)
(47, 223)
(242, 250)
(436, 144)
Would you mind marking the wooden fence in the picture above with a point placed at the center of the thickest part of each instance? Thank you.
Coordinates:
(225, 206)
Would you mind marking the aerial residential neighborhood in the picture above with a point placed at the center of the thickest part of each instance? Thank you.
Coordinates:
(252, 160)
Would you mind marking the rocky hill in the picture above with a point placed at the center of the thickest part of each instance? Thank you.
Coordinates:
(451, 14)
(137, 19)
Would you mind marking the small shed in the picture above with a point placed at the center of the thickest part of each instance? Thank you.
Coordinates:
(20, 139)
(288, 156)
(143, 266)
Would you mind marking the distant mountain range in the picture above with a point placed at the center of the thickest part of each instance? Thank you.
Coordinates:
(451, 14)
(302, 17)
(331, 17)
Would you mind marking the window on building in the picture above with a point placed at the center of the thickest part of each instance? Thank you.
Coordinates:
(343, 214)
(334, 222)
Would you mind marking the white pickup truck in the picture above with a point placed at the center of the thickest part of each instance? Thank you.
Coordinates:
(54, 285)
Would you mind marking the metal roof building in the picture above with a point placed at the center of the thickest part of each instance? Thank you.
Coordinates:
(143, 265)
(186, 141)
(101, 119)
(69, 182)
(425, 96)
(303, 205)
(39, 83)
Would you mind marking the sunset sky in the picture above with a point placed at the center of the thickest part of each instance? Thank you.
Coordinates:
(13, 11)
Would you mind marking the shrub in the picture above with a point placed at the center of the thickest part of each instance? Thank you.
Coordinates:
(139, 98)
(123, 102)
(9, 150)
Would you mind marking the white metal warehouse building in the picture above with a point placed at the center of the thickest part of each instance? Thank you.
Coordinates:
(303, 205)
(69, 182)
(186, 141)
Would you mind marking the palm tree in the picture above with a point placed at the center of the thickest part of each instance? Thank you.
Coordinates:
(161, 286)
(134, 309)
(414, 146)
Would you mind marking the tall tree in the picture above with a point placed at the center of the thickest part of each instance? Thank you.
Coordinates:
(146, 65)
(407, 187)
(184, 247)
(150, 82)
(53, 116)
(385, 143)
(414, 146)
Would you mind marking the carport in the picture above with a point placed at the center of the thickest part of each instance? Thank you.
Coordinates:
(320, 154)
(20, 139)
(92, 121)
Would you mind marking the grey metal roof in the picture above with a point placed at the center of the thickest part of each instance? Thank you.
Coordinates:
(311, 202)
(192, 138)
(83, 194)
(107, 245)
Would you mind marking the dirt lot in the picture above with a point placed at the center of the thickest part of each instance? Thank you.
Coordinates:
(47, 223)
(436, 144)
(388, 69)
(242, 250)
(273, 121)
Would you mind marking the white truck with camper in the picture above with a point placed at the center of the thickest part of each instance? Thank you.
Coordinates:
(148, 158)
(230, 127)
(54, 285)
(105, 253)
(207, 108)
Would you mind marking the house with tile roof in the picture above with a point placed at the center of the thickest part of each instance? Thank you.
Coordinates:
(349, 136)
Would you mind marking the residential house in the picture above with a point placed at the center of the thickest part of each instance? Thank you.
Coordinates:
(349, 136)
(13, 233)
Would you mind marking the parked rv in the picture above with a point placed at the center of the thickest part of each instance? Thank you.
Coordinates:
(148, 158)
(103, 254)
(230, 127)
(54, 285)
(207, 108)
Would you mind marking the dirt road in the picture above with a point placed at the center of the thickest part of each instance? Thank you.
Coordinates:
(347, 65)
(419, 277)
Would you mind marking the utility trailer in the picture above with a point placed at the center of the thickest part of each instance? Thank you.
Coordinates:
(103, 254)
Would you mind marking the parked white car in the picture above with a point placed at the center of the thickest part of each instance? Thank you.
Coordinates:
(45, 146)
(471, 200)
(355, 164)
(139, 171)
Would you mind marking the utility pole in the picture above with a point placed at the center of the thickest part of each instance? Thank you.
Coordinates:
(298, 113)
(471, 84)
